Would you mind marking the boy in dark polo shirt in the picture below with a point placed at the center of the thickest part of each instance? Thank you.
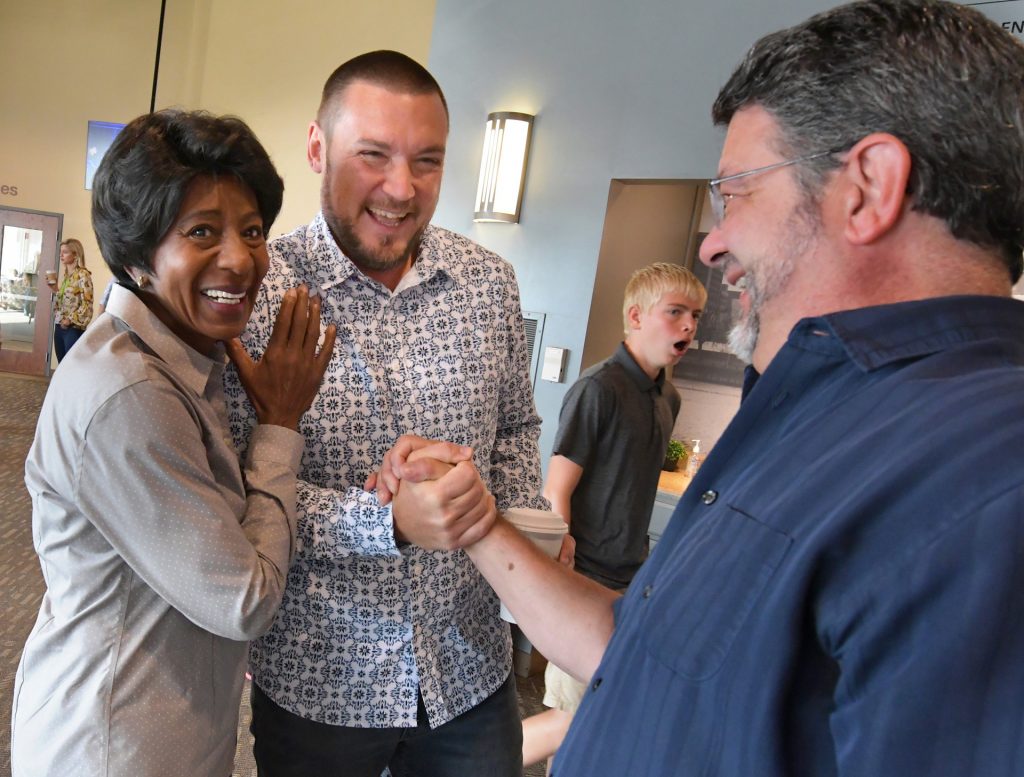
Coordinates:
(613, 429)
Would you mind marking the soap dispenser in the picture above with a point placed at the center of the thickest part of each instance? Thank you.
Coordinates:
(694, 460)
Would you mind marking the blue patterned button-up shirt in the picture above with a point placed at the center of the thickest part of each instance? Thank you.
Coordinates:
(364, 623)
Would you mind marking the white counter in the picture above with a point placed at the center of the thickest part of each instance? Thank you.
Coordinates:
(670, 486)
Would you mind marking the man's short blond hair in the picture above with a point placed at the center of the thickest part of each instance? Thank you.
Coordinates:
(649, 284)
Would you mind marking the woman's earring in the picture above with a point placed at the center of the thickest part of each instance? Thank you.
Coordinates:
(142, 281)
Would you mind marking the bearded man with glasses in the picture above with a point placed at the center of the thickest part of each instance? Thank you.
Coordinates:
(840, 589)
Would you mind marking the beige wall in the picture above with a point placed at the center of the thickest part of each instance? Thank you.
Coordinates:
(263, 60)
(266, 61)
(76, 61)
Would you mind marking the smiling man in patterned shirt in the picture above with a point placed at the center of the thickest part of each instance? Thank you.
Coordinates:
(384, 653)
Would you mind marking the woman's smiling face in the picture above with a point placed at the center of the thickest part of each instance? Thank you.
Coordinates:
(209, 266)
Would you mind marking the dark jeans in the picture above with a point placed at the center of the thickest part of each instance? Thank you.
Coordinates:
(63, 339)
(486, 740)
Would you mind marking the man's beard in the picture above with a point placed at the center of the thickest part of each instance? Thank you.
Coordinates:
(743, 335)
(389, 256)
(770, 277)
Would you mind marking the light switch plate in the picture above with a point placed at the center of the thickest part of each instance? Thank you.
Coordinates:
(553, 366)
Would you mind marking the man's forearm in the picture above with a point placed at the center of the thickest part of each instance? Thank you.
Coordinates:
(566, 616)
(563, 477)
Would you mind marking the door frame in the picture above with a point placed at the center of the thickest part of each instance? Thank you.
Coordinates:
(28, 362)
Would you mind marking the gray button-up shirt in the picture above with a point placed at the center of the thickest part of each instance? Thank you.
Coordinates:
(161, 555)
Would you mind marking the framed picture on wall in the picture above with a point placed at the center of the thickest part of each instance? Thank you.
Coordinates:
(98, 139)
(709, 359)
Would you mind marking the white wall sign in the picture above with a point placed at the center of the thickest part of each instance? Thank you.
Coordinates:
(1007, 13)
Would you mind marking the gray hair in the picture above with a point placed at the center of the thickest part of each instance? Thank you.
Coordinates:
(944, 79)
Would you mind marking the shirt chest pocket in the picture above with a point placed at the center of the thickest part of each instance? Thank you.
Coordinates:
(700, 600)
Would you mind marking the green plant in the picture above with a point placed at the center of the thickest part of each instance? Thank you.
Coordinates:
(676, 450)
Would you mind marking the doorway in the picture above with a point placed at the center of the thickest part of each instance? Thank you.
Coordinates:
(646, 221)
(666, 220)
(28, 249)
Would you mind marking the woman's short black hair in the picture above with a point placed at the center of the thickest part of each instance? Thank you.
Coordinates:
(142, 180)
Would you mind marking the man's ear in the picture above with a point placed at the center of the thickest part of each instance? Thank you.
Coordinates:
(633, 316)
(875, 175)
(316, 148)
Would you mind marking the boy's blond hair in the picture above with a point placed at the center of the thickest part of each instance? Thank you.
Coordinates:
(648, 284)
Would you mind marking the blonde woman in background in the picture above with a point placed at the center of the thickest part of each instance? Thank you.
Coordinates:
(74, 297)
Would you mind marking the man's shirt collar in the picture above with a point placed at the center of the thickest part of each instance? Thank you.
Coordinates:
(876, 336)
(329, 266)
(623, 357)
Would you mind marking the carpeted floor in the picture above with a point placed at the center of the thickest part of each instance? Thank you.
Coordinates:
(21, 584)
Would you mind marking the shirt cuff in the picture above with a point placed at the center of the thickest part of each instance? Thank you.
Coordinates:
(397, 546)
(276, 444)
(373, 524)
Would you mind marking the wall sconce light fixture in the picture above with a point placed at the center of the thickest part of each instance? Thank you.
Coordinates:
(499, 195)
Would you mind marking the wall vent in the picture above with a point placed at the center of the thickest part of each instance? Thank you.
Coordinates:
(533, 323)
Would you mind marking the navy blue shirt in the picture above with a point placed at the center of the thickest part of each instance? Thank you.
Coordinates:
(841, 589)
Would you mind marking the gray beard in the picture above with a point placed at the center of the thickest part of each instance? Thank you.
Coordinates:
(743, 337)
(762, 286)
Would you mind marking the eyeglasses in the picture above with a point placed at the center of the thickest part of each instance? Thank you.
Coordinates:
(718, 199)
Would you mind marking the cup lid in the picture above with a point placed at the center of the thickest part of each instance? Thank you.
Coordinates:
(532, 519)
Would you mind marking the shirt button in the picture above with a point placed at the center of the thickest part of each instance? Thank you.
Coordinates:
(596, 684)
(709, 497)
(647, 592)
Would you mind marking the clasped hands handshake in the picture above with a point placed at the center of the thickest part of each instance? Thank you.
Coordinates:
(438, 500)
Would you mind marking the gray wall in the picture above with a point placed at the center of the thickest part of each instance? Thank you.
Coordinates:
(620, 90)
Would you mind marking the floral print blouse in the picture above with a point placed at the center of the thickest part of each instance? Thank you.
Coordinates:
(74, 300)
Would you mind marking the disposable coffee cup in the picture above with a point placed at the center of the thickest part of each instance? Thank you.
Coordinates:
(51, 276)
(544, 527)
